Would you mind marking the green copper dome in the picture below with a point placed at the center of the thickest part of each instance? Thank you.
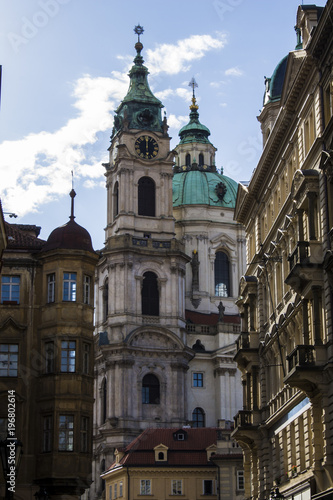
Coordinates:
(139, 109)
(197, 187)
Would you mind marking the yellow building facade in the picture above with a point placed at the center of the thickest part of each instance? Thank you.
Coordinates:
(285, 349)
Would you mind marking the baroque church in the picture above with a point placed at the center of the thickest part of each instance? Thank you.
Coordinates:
(166, 282)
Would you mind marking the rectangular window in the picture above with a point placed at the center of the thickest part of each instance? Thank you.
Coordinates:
(208, 487)
(240, 480)
(110, 492)
(68, 356)
(121, 489)
(145, 487)
(10, 289)
(49, 357)
(51, 287)
(84, 434)
(8, 360)
(176, 487)
(86, 357)
(86, 289)
(3, 428)
(197, 379)
(66, 432)
(115, 491)
(47, 433)
(69, 287)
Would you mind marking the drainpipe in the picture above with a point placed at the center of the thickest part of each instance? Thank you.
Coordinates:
(128, 484)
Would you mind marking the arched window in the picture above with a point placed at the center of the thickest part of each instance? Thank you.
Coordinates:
(150, 295)
(188, 160)
(146, 197)
(103, 401)
(116, 200)
(105, 299)
(201, 160)
(161, 455)
(150, 390)
(198, 417)
(222, 281)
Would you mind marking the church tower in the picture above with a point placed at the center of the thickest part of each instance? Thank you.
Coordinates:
(141, 353)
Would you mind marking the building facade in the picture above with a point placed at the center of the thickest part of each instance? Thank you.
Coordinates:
(46, 353)
(284, 351)
(166, 322)
(162, 463)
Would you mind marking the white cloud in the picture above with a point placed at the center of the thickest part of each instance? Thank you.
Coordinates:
(174, 58)
(177, 121)
(233, 72)
(37, 168)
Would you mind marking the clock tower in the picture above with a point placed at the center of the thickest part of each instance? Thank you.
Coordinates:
(141, 357)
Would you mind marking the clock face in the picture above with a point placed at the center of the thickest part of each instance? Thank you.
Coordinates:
(146, 147)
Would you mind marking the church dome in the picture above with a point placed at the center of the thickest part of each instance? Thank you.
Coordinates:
(275, 83)
(70, 236)
(197, 187)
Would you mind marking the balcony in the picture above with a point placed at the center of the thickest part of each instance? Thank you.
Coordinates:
(247, 348)
(305, 365)
(246, 425)
(305, 265)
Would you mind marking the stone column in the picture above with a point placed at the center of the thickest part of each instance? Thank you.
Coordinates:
(311, 215)
(306, 338)
(317, 292)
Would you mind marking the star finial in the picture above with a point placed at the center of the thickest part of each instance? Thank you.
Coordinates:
(138, 30)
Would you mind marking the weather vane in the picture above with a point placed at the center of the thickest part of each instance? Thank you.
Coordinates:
(193, 84)
(138, 30)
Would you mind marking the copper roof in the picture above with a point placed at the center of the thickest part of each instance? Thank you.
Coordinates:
(70, 236)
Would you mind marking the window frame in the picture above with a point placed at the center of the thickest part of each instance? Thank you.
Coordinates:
(69, 287)
(146, 196)
(240, 479)
(47, 433)
(86, 289)
(145, 486)
(51, 283)
(49, 352)
(65, 360)
(68, 433)
(84, 434)
(222, 277)
(85, 358)
(197, 382)
(151, 392)
(9, 354)
(205, 482)
(14, 289)
(176, 487)
(196, 412)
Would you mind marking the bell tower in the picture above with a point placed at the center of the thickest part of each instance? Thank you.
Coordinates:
(139, 173)
(141, 354)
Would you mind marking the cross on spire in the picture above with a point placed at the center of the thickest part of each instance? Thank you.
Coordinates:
(193, 84)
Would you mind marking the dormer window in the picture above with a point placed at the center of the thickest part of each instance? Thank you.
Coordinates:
(161, 453)
(180, 435)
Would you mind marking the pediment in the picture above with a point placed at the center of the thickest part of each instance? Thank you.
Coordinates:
(10, 325)
(151, 338)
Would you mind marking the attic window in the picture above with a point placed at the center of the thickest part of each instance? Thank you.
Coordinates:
(161, 455)
(181, 437)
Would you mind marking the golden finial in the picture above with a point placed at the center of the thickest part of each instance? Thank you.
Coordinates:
(194, 106)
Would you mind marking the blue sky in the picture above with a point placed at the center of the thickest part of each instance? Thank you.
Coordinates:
(65, 65)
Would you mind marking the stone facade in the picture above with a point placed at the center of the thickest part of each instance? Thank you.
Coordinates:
(284, 351)
(165, 341)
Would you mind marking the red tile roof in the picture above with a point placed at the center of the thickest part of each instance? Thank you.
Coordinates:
(188, 452)
(210, 319)
(20, 237)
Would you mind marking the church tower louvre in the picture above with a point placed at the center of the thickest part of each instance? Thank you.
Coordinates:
(141, 354)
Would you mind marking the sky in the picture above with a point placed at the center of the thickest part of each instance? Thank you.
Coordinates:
(65, 70)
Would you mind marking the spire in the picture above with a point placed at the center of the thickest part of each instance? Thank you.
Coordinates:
(72, 194)
(139, 109)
